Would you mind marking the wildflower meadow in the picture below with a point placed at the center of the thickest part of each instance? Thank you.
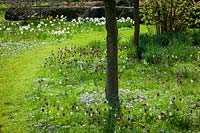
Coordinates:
(53, 78)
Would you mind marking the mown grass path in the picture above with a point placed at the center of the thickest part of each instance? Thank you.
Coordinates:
(18, 77)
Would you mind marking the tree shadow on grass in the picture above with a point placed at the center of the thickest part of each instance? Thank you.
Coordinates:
(114, 113)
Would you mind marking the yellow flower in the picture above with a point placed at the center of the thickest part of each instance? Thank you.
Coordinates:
(49, 17)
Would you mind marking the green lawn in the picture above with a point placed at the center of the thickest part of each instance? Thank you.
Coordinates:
(18, 77)
(159, 93)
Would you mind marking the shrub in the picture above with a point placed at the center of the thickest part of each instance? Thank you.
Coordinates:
(166, 48)
(171, 16)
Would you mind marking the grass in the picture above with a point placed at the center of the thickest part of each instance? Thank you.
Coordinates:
(15, 87)
(20, 83)
(55, 82)
(2, 15)
(164, 95)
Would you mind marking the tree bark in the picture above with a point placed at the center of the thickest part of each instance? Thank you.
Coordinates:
(112, 63)
(136, 23)
(164, 24)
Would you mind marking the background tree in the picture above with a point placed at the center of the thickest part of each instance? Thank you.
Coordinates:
(136, 23)
(111, 40)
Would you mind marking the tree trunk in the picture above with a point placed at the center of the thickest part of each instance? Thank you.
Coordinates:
(112, 63)
(136, 23)
(164, 28)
